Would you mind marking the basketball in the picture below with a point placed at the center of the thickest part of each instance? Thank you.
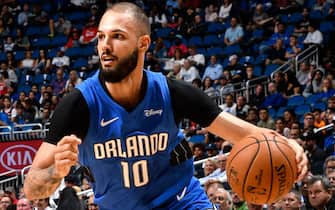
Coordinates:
(261, 168)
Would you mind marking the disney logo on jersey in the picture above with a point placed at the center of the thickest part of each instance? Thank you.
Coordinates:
(150, 112)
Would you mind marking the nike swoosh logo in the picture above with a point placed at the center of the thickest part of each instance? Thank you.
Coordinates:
(182, 195)
(104, 123)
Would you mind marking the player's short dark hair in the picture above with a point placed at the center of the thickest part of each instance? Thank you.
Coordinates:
(139, 16)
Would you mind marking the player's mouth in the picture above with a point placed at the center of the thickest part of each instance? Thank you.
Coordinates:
(108, 60)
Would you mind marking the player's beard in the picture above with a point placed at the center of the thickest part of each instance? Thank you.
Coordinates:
(121, 70)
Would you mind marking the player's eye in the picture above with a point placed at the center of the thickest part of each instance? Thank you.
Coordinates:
(101, 37)
(118, 36)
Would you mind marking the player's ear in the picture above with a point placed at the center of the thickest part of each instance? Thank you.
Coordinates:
(144, 43)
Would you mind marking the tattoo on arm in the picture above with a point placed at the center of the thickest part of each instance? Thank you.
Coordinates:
(41, 183)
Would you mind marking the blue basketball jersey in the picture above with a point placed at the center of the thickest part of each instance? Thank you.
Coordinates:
(129, 152)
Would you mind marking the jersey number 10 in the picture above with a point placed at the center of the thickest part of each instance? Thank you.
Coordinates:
(139, 170)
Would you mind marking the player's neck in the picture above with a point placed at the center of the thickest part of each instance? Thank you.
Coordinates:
(129, 91)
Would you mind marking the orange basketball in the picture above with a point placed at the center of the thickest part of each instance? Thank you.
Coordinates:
(261, 169)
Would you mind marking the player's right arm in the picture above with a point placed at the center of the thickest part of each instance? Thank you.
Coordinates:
(59, 152)
(51, 164)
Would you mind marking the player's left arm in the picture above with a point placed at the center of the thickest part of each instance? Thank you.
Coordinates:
(194, 104)
(234, 129)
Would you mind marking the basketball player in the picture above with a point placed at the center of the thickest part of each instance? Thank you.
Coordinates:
(122, 124)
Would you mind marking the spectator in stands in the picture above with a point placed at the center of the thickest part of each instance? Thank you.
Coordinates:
(30, 111)
(223, 199)
(303, 74)
(157, 18)
(319, 193)
(177, 58)
(42, 204)
(10, 191)
(9, 44)
(7, 108)
(260, 18)
(211, 151)
(9, 72)
(313, 86)
(3, 85)
(21, 41)
(24, 16)
(301, 27)
(211, 13)
(281, 128)
(7, 17)
(252, 116)
(241, 107)
(225, 10)
(314, 36)
(61, 60)
(236, 70)
(4, 31)
(42, 62)
(327, 89)
(188, 72)
(39, 16)
(308, 123)
(323, 6)
(224, 86)
(276, 54)
(159, 50)
(229, 105)
(265, 121)
(316, 155)
(24, 204)
(291, 201)
(279, 81)
(274, 99)
(257, 98)
(5, 202)
(234, 34)
(210, 166)
(289, 117)
(329, 164)
(207, 87)
(196, 59)
(210, 188)
(197, 27)
(178, 44)
(73, 78)
(294, 48)
(10, 58)
(214, 70)
(89, 32)
(199, 153)
(150, 61)
(27, 63)
(175, 73)
(73, 40)
(219, 173)
(61, 26)
(331, 178)
(249, 74)
(291, 83)
(59, 83)
(238, 203)
(280, 33)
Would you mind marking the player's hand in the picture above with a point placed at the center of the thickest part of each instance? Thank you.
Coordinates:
(66, 155)
(301, 159)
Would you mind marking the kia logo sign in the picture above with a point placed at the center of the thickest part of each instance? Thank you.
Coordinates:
(17, 157)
